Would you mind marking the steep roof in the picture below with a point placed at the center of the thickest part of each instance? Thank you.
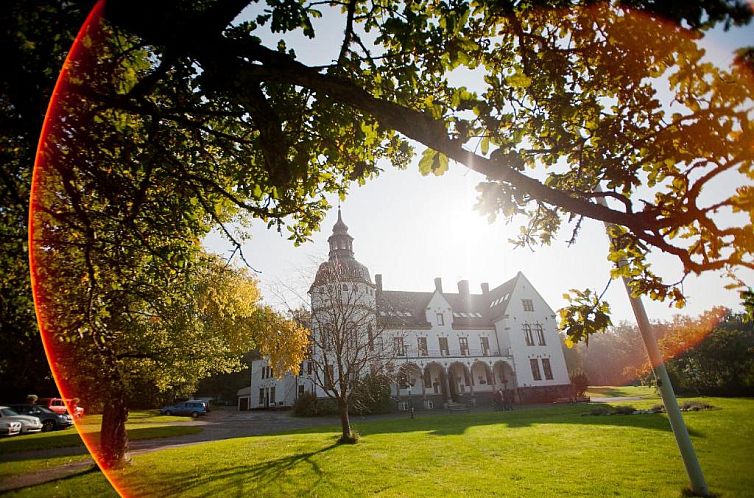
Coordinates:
(408, 309)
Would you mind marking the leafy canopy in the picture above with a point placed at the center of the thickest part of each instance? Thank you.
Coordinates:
(574, 103)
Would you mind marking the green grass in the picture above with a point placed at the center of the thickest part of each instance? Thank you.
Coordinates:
(621, 391)
(529, 452)
(18, 467)
(141, 425)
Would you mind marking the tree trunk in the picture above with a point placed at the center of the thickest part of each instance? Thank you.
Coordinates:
(113, 436)
(345, 423)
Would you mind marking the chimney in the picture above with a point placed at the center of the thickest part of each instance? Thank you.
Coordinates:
(378, 281)
(438, 284)
(463, 287)
(485, 288)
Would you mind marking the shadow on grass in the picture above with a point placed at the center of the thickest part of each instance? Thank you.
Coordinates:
(445, 424)
(61, 443)
(262, 474)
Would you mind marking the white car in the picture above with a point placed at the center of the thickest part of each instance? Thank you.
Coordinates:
(9, 428)
(28, 423)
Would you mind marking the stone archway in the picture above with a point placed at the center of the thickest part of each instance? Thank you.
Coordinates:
(504, 376)
(410, 375)
(435, 380)
(459, 380)
(481, 375)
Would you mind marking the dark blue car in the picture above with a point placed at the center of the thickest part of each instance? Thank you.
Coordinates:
(50, 420)
(193, 408)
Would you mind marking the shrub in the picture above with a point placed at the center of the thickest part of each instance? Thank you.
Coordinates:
(600, 410)
(371, 395)
(694, 406)
(307, 405)
(624, 410)
(580, 383)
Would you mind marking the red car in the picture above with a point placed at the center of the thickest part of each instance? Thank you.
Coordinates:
(58, 406)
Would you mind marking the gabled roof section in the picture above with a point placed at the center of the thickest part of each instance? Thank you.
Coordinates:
(408, 309)
(499, 297)
(469, 310)
(403, 308)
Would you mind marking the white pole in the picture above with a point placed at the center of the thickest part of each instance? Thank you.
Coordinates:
(693, 469)
(690, 460)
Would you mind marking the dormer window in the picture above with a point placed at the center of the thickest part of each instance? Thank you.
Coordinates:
(440, 319)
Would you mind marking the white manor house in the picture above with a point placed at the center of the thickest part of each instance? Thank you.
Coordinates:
(453, 347)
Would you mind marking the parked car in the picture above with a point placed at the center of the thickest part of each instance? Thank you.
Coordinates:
(9, 427)
(58, 406)
(28, 423)
(50, 420)
(193, 408)
(204, 401)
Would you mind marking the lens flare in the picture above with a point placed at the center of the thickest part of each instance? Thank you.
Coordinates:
(73, 156)
(86, 35)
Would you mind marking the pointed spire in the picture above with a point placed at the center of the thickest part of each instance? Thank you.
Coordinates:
(340, 227)
(341, 244)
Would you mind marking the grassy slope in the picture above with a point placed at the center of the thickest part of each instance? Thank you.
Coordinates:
(532, 452)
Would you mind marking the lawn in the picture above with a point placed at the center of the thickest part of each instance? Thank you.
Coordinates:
(621, 391)
(529, 452)
(141, 425)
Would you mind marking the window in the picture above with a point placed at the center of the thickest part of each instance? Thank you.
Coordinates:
(309, 369)
(528, 305)
(398, 346)
(261, 396)
(301, 390)
(301, 369)
(527, 335)
(540, 334)
(272, 395)
(547, 368)
(535, 369)
(371, 337)
(444, 346)
(485, 346)
(440, 319)
(464, 343)
(422, 346)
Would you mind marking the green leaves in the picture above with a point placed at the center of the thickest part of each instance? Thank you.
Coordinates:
(433, 162)
(585, 315)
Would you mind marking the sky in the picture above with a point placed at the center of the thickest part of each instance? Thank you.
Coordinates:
(412, 228)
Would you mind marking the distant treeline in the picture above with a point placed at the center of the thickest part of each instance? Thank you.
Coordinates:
(710, 354)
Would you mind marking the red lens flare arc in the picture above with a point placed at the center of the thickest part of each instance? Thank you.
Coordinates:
(53, 115)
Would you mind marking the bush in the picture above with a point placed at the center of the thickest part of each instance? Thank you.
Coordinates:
(623, 410)
(371, 395)
(600, 410)
(580, 383)
(694, 406)
(307, 405)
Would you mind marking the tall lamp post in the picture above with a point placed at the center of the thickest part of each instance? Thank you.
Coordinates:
(410, 403)
(677, 425)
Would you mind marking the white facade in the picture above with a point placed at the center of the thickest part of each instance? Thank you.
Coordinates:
(448, 347)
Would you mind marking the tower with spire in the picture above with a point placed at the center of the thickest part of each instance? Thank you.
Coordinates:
(341, 266)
